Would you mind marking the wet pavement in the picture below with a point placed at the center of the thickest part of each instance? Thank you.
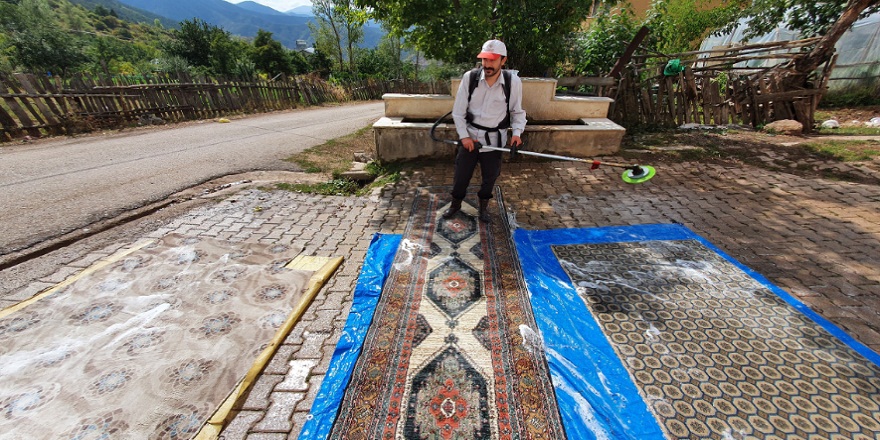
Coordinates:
(817, 239)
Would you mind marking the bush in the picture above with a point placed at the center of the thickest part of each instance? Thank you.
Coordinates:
(596, 51)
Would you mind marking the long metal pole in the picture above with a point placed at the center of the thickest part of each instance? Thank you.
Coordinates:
(557, 157)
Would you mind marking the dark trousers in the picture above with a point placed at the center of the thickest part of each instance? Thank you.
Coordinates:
(465, 163)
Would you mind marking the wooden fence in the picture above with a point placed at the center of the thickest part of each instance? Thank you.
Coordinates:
(37, 106)
(718, 87)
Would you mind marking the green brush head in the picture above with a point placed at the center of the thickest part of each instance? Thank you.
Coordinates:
(638, 174)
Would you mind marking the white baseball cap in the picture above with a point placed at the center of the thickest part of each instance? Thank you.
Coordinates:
(493, 49)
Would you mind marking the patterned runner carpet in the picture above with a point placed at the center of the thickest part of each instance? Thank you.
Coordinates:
(147, 345)
(451, 352)
(717, 354)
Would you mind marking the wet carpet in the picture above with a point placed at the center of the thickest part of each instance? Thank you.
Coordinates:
(451, 351)
(148, 344)
(712, 350)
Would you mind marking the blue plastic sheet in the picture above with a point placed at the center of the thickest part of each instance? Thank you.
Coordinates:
(596, 396)
(376, 267)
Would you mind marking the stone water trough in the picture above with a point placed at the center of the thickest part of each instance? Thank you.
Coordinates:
(562, 125)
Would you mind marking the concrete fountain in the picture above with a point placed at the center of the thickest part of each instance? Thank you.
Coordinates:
(564, 125)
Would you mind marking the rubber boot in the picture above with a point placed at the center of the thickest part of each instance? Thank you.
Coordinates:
(454, 207)
(484, 211)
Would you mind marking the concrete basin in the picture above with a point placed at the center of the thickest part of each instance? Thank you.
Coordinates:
(564, 125)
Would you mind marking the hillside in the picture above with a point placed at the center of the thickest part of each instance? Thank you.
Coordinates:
(244, 21)
(256, 7)
(126, 12)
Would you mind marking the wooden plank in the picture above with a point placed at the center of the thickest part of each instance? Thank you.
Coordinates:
(41, 89)
(28, 102)
(668, 101)
(628, 52)
(10, 125)
(49, 114)
(689, 92)
(24, 119)
(232, 94)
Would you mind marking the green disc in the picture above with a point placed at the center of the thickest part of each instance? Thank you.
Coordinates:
(646, 172)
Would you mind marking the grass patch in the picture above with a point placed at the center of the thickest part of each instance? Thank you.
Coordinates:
(334, 156)
(845, 151)
(335, 187)
(851, 131)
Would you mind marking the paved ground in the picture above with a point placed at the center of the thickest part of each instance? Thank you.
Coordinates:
(817, 239)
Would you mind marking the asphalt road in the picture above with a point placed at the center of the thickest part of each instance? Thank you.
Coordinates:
(53, 187)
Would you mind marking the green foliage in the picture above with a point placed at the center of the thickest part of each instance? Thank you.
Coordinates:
(436, 71)
(722, 79)
(808, 17)
(35, 41)
(107, 55)
(206, 47)
(270, 56)
(335, 187)
(122, 11)
(383, 62)
(535, 31)
(596, 51)
(338, 29)
(299, 63)
(321, 63)
(63, 38)
(680, 25)
(857, 96)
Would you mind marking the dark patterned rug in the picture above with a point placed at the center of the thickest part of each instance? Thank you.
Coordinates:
(451, 352)
(715, 353)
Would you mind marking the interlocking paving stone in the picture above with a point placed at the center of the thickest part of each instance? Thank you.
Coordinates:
(816, 238)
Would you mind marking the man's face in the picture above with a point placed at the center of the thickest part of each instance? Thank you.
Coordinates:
(492, 67)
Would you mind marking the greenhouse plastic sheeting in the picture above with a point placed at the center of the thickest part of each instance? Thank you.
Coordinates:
(858, 50)
(371, 279)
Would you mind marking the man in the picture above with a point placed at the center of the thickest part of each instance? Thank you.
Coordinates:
(482, 115)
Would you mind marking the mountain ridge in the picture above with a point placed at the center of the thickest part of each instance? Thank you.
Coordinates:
(127, 12)
(244, 21)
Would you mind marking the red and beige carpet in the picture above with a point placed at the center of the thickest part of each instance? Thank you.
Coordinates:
(451, 352)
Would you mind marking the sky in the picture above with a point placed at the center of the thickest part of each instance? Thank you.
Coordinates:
(279, 5)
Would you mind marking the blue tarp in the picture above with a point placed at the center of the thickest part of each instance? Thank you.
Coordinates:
(376, 267)
(597, 398)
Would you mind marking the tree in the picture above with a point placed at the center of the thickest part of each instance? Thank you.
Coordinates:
(35, 41)
(681, 25)
(192, 42)
(596, 51)
(810, 18)
(824, 49)
(270, 56)
(328, 31)
(299, 63)
(206, 46)
(339, 28)
(535, 31)
(830, 20)
(353, 20)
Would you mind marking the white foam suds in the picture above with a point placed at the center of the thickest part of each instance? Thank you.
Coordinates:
(584, 410)
(410, 248)
(20, 360)
(531, 340)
